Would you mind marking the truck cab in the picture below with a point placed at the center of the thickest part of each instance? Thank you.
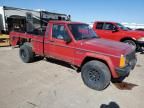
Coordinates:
(98, 60)
(118, 32)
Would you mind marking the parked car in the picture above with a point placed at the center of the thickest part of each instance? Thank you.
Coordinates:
(118, 32)
(98, 60)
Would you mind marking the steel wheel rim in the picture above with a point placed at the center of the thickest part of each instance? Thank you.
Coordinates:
(94, 75)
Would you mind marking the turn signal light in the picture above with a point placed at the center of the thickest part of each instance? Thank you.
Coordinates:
(122, 61)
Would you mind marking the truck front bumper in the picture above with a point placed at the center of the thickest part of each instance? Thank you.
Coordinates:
(126, 70)
(141, 43)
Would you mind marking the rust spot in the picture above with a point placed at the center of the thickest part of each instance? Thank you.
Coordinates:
(125, 86)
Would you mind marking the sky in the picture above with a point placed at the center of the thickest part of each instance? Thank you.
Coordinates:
(130, 11)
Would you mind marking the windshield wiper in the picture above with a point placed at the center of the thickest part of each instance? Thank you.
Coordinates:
(88, 37)
(85, 38)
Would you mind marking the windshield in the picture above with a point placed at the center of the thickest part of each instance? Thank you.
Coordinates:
(82, 31)
(122, 26)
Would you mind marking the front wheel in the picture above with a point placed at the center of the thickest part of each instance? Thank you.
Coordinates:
(96, 75)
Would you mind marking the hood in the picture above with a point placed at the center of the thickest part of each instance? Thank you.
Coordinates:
(107, 46)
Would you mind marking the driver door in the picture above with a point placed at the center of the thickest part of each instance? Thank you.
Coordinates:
(62, 50)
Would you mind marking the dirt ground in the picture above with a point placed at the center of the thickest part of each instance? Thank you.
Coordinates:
(48, 84)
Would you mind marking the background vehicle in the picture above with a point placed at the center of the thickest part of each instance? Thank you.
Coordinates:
(99, 60)
(4, 40)
(118, 32)
(25, 20)
(140, 29)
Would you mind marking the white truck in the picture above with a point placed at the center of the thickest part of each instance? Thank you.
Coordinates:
(25, 19)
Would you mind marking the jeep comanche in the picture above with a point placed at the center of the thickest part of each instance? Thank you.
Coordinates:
(98, 60)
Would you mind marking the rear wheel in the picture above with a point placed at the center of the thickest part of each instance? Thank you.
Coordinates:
(26, 53)
(96, 75)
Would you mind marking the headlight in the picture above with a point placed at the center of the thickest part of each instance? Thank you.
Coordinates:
(122, 61)
(141, 39)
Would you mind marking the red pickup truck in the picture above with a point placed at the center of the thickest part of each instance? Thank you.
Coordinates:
(118, 32)
(98, 60)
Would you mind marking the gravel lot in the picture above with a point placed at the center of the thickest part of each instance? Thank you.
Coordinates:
(44, 84)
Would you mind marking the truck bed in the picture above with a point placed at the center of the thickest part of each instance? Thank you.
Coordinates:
(37, 41)
(17, 36)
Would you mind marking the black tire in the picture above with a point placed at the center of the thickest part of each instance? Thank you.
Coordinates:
(131, 42)
(26, 53)
(96, 75)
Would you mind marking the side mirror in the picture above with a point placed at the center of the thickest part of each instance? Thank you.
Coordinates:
(67, 39)
(115, 30)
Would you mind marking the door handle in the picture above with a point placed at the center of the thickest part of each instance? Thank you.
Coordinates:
(51, 40)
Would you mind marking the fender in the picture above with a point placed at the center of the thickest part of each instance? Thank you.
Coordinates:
(103, 58)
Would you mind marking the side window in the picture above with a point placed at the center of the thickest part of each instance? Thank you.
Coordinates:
(47, 30)
(109, 26)
(99, 25)
(59, 32)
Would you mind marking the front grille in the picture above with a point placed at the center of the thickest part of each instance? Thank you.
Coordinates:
(131, 59)
(131, 56)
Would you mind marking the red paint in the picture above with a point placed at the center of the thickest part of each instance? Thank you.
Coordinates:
(74, 52)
